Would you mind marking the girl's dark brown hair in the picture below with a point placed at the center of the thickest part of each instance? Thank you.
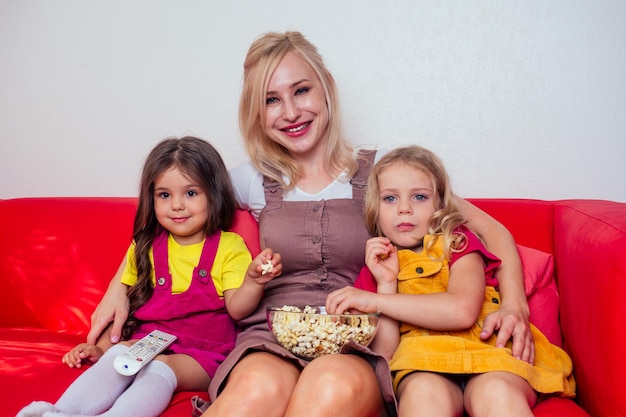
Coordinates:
(199, 161)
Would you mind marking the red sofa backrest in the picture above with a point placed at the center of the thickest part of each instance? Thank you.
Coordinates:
(530, 221)
(84, 239)
(81, 240)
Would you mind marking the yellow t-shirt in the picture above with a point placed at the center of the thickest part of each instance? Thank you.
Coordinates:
(228, 271)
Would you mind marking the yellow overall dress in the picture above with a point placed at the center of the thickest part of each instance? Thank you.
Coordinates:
(463, 352)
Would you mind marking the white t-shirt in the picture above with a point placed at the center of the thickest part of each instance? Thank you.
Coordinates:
(249, 193)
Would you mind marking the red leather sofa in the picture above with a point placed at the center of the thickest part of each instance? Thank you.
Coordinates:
(58, 254)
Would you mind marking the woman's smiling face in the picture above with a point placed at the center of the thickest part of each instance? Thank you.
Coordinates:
(297, 114)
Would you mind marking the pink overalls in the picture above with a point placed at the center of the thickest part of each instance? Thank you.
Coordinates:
(197, 317)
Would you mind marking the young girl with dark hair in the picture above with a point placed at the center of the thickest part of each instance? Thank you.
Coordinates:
(188, 277)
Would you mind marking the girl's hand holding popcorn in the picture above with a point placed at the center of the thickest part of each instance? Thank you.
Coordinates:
(381, 257)
(242, 301)
(265, 267)
(350, 300)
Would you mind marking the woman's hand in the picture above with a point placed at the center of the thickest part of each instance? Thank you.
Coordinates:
(113, 307)
(83, 353)
(508, 323)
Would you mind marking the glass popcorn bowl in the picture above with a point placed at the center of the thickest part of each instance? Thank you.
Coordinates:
(309, 332)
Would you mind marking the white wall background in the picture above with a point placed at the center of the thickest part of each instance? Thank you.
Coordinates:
(520, 98)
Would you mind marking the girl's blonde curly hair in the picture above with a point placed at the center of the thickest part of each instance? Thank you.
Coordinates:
(446, 218)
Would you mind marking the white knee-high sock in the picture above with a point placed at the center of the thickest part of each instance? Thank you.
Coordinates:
(147, 396)
(36, 409)
(96, 389)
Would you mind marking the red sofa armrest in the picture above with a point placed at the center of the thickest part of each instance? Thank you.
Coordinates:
(590, 254)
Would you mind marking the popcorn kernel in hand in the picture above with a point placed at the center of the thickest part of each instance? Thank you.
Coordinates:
(267, 268)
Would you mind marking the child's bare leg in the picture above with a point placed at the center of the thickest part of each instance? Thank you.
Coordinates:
(190, 375)
(429, 394)
(499, 394)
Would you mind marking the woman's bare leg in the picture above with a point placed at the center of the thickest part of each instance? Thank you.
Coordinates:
(499, 394)
(337, 385)
(429, 394)
(260, 385)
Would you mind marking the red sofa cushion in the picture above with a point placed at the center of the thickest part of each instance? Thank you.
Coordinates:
(32, 357)
(542, 293)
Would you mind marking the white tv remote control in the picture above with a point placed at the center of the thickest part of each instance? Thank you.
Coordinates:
(142, 352)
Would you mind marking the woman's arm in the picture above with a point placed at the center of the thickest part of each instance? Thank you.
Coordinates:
(512, 319)
(113, 307)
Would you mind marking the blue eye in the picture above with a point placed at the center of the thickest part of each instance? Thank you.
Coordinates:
(420, 197)
(389, 198)
(271, 100)
(302, 90)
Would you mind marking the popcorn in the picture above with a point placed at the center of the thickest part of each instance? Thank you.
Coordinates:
(311, 334)
(267, 267)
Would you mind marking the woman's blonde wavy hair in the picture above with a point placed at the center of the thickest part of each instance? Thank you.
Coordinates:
(446, 217)
(270, 158)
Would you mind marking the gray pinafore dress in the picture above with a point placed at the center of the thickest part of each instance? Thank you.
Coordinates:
(322, 245)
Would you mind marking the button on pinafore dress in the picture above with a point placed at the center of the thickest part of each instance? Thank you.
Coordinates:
(322, 245)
